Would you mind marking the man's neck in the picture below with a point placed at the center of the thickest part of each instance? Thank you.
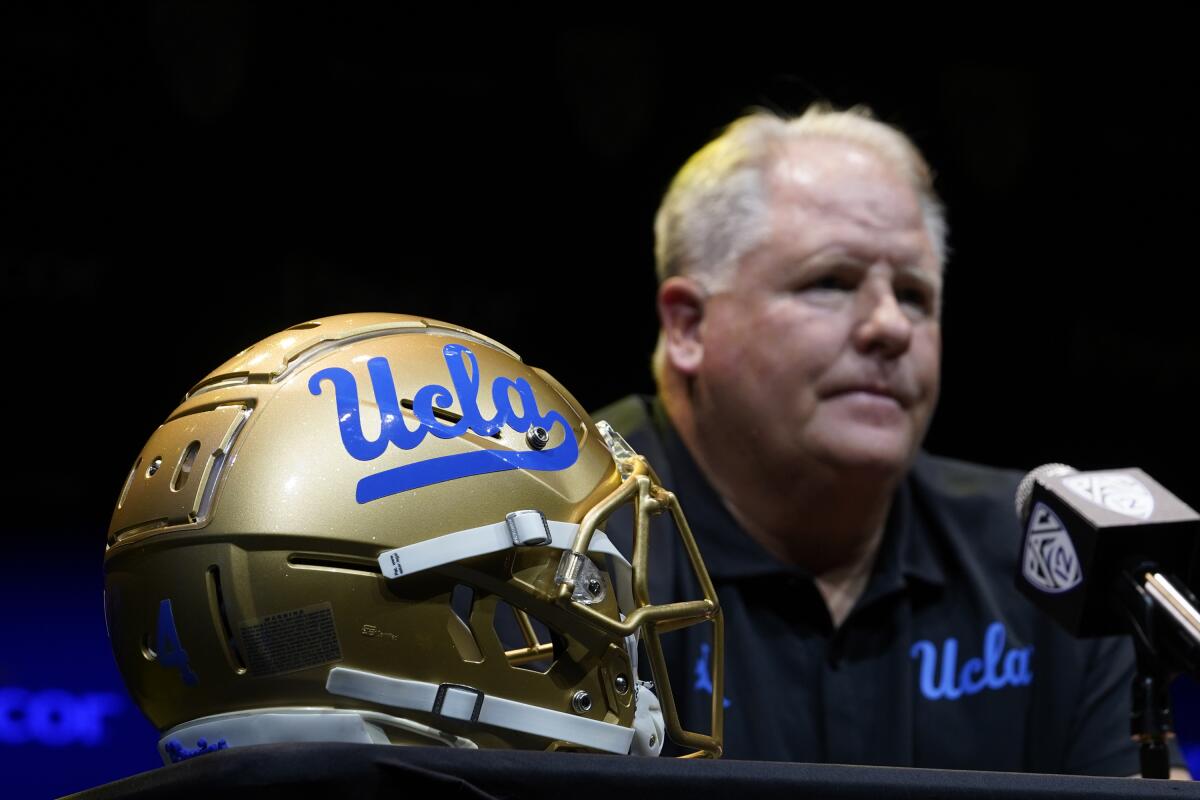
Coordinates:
(841, 587)
(826, 520)
(839, 549)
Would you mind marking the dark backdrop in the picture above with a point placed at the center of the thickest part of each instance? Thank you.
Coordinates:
(179, 179)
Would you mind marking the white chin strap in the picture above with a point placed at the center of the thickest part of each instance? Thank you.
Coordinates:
(309, 724)
(466, 704)
(290, 724)
(648, 725)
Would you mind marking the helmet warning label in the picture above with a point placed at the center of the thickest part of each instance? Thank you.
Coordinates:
(290, 640)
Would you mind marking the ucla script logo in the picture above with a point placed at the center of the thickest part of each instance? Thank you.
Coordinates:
(464, 377)
(994, 670)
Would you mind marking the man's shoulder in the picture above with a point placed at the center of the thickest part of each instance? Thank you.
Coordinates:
(964, 480)
(972, 504)
(965, 488)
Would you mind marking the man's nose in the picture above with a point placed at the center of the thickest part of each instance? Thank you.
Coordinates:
(882, 327)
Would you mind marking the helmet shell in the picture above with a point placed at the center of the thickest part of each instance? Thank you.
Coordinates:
(242, 557)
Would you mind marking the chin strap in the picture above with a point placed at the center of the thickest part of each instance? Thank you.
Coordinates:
(308, 724)
(648, 726)
(467, 704)
(290, 724)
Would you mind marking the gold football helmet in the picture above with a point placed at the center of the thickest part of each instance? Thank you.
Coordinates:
(381, 528)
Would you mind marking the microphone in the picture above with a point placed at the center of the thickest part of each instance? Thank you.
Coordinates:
(1088, 534)
(1100, 554)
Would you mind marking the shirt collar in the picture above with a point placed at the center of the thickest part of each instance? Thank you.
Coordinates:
(908, 554)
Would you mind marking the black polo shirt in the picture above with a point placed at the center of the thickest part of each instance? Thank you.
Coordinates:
(941, 663)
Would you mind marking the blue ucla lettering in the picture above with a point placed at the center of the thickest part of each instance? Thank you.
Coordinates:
(993, 651)
(949, 658)
(466, 384)
(971, 678)
(502, 389)
(994, 670)
(463, 369)
(423, 403)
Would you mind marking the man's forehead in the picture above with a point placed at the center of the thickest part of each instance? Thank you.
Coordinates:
(805, 159)
(813, 153)
(824, 170)
(848, 188)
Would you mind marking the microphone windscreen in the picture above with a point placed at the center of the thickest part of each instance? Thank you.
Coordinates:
(1025, 487)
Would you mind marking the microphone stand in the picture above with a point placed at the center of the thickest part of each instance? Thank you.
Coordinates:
(1162, 651)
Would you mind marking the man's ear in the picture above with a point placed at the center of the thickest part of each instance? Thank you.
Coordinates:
(680, 312)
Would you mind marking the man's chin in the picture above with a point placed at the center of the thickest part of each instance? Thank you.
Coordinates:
(885, 454)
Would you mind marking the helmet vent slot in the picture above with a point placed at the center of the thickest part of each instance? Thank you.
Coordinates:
(129, 482)
(526, 640)
(185, 466)
(304, 326)
(462, 599)
(363, 567)
(441, 413)
(216, 606)
(148, 649)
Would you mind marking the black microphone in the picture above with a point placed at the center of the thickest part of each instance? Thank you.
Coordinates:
(1100, 554)
(1084, 531)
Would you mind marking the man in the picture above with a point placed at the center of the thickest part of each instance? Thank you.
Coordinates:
(867, 587)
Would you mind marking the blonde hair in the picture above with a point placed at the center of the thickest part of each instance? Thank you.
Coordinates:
(716, 208)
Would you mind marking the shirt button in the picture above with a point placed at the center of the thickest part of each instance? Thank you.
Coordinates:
(834, 659)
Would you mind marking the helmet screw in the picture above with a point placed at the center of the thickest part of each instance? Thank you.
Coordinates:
(154, 465)
(653, 740)
(581, 702)
(537, 437)
(594, 587)
(622, 684)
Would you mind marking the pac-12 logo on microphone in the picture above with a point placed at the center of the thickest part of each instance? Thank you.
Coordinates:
(1050, 562)
(1115, 491)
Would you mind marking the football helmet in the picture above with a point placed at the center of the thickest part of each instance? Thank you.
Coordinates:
(382, 528)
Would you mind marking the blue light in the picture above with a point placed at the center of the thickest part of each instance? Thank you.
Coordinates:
(55, 717)
(67, 722)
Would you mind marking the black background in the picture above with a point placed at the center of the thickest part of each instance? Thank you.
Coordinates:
(180, 179)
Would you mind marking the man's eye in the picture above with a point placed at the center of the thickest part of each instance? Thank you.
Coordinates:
(832, 283)
(918, 299)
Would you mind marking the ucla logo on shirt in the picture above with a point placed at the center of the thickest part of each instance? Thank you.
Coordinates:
(942, 678)
(465, 381)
